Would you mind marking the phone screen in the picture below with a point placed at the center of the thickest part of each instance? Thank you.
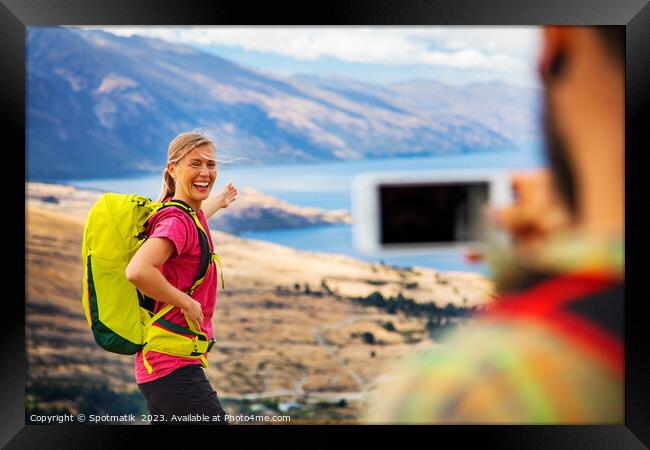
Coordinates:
(431, 213)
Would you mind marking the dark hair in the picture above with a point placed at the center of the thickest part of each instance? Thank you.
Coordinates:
(613, 36)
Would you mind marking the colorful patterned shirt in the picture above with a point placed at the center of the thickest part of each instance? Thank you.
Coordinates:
(548, 352)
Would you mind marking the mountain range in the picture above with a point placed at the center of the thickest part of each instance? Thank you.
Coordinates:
(100, 105)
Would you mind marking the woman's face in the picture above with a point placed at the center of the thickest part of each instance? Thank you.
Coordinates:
(195, 174)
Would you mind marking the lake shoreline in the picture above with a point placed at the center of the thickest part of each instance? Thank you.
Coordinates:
(326, 186)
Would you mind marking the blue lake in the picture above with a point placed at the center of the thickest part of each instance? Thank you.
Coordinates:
(327, 186)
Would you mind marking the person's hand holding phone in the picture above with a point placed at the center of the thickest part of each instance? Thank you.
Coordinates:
(535, 214)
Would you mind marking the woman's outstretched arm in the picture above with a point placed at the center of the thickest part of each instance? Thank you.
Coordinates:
(222, 199)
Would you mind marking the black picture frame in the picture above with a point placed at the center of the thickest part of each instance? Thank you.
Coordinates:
(16, 15)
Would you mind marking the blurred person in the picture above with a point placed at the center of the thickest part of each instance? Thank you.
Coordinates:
(550, 348)
(164, 268)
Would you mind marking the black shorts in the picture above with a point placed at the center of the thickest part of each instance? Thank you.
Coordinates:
(185, 393)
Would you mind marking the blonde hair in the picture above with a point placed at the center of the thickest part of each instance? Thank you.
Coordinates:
(178, 148)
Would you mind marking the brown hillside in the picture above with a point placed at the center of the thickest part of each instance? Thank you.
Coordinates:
(275, 337)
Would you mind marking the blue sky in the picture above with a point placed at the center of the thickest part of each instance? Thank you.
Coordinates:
(451, 54)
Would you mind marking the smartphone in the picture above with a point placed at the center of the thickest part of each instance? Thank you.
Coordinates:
(419, 212)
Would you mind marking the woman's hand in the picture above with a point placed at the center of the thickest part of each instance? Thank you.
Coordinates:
(226, 195)
(222, 199)
(193, 312)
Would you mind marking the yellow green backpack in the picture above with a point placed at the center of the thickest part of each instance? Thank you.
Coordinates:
(120, 316)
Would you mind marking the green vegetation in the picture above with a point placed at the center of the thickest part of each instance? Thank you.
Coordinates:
(438, 326)
(270, 403)
(86, 398)
(412, 308)
(439, 320)
(368, 338)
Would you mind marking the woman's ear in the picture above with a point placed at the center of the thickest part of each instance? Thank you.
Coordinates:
(170, 169)
(553, 57)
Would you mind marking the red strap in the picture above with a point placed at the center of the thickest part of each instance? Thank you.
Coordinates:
(546, 302)
(187, 335)
(555, 293)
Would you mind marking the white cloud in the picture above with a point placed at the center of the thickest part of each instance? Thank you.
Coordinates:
(493, 48)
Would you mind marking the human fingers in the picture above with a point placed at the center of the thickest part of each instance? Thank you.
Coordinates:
(532, 186)
(199, 311)
(521, 224)
(509, 218)
(198, 320)
(191, 317)
(233, 194)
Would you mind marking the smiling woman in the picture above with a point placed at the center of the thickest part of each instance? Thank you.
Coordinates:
(191, 161)
(165, 269)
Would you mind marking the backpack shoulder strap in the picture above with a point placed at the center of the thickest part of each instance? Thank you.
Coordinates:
(604, 308)
(587, 309)
(206, 255)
